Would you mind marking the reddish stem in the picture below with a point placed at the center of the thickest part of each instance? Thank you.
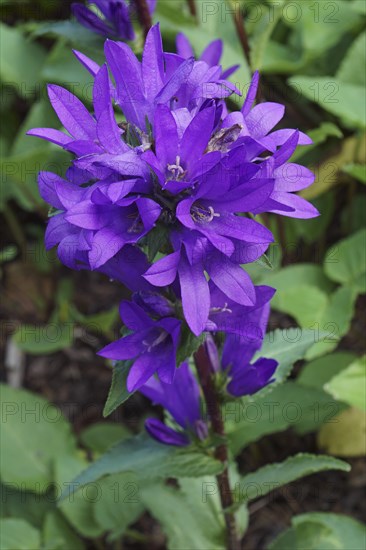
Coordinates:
(204, 371)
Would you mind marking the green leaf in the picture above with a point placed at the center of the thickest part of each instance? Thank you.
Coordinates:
(40, 115)
(319, 371)
(78, 508)
(262, 33)
(305, 303)
(322, 27)
(342, 99)
(21, 61)
(101, 436)
(190, 515)
(120, 504)
(334, 322)
(350, 384)
(99, 323)
(155, 240)
(357, 171)
(71, 31)
(21, 504)
(286, 347)
(298, 275)
(118, 392)
(18, 534)
(345, 262)
(349, 71)
(189, 344)
(34, 433)
(43, 340)
(287, 405)
(271, 477)
(322, 531)
(149, 460)
(64, 69)
(345, 435)
(57, 534)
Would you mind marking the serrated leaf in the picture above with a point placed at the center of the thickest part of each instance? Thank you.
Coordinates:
(149, 460)
(271, 477)
(286, 347)
(118, 392)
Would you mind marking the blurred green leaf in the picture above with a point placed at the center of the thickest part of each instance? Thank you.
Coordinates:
(349, 385)
(78, 508)
(334, 322)
(72, 31)
(189, 517)
(287, 405)
(18, 534)
(44, 339)
(345, 262)
(297, 275)
(101, 436)
(268, 478)
(343, 99)
(357, 171)
(34, 433)
(321, 531)
(349, 71)
(64, 69)
(21, 504)
(120, 505)
(319, 371)
(57, 534)
(21, 61)
(39, 115)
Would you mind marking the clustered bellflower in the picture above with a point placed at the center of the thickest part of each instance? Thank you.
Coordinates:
(114, 18)
(161, 160)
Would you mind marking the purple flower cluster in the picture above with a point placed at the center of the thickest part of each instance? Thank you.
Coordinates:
(114, 18)
(162, 168)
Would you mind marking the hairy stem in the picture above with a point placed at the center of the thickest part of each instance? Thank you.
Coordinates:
(204, 371)
(143, 14)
